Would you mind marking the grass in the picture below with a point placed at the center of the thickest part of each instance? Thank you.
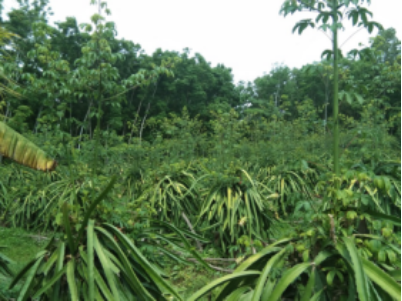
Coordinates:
(20, 246)
(189, 279)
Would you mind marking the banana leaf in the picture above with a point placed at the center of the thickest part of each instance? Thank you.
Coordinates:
(18, 148)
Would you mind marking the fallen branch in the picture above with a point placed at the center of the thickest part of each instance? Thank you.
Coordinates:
(220, 259)
(195, 260)
(212, 266)
(190, 226)
(38, 237)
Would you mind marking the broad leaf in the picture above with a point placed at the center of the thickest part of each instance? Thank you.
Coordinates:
(15, 146)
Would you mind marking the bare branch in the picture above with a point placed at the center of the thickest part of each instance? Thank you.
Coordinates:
(350, 37)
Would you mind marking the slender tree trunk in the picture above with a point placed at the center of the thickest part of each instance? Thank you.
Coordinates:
(143, 120)
(146, 111)
(5, 120)
(7, 112)
(85, 119)
(35, 129)
(98, 124)
(71, 115)
(90, 129)
(131, 134)
(335, 104)
(276, 96)
(135, 120)
(326, 108)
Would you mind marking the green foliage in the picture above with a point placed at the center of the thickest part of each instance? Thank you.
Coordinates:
(335, 247)
(331, 10)
(237, 171)
(5, 272)
(236, 202)
(18, 248)
(99, 262)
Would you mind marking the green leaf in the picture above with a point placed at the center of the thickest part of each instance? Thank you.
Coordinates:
(59, 266)
(384, 217)
(106, 265)
(309, 287)
(351, 215)
(381, 256)
(264, 275)
(302, 25)
(133, 280)
(321, 257)
(98, 279)
(25, 290)
(50, 283)
(26, 268)
(93, 206)
(330, 277)
(210, 286)
(185, 241)
(238, 293)
(317, 296)
(327, 53)
(348, 98)
(2, 297)
(90, 264)
(359, 98)
(391, 256)
(70, 271)
(382, 279)
(143, 262)
(67, 228)
(288, 277)
(258, 256)
(49, 264)
(360, 277)
(269, 287)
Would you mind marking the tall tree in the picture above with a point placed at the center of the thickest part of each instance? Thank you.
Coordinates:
(331, 10)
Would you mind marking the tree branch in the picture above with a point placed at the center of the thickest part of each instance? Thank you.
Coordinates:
(350, 37)
(190, 226)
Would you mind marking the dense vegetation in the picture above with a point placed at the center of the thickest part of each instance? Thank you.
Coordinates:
(153, 163)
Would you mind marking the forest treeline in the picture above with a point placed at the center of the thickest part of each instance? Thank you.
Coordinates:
(58, 72)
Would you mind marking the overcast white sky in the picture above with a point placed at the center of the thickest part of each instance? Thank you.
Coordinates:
(247, 36)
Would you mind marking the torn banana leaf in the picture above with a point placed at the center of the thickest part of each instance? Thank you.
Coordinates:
(18, 148)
